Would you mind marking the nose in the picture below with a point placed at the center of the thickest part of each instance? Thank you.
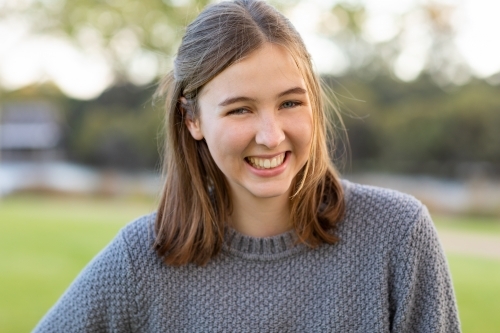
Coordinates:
(270, 131)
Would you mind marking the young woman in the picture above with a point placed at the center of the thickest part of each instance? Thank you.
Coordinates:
(255, 232)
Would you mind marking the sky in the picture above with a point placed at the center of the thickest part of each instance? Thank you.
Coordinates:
(25, 59)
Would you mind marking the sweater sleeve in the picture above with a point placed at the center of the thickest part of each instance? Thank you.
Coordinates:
(422, 298)
(100, 299)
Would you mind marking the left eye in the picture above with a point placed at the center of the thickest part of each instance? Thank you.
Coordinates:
(290, 104)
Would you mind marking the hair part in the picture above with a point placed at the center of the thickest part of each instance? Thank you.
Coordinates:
(195, 206)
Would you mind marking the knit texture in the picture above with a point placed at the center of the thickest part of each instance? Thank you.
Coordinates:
(386, 274)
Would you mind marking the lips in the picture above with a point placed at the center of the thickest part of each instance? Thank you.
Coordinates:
(266, 163)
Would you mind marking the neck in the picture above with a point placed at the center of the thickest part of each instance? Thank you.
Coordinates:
(261, 217)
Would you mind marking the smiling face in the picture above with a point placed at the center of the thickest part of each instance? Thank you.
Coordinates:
(256, 118)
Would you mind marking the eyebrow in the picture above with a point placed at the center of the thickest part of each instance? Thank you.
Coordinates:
(296, 90)
(232, 100)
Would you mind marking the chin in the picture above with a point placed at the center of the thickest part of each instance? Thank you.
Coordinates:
(268, 195)
(269, 192)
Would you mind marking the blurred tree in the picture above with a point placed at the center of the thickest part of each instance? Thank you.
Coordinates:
(419, 127)
(120, 129)
(133, 35)
(424, 42)
(343, 24)
(424, 125)
(444, 61)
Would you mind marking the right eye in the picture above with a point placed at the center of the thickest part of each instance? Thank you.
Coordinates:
(238, 111)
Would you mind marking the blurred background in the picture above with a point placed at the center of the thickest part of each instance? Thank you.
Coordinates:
(417, 83)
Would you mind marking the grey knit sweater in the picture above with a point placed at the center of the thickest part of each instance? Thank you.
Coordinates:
(386, 274)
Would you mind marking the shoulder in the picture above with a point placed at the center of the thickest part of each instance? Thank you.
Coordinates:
(138, 237)
(133, 243)
(389, 242)
(140, 230)
(105, 292)
(378, 202)
(374, 196)
(385, 214)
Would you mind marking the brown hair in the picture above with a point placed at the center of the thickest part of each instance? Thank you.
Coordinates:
(194, 206)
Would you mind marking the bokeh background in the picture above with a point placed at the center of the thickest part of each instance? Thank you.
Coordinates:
(417, 83)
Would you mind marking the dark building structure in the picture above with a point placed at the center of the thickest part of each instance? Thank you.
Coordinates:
(30, 132)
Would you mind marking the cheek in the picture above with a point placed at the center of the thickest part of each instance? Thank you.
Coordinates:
(300, 132)
(227, 143)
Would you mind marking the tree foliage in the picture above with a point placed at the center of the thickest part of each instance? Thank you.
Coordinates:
(434, 124)
(419, 127)
(123, 31)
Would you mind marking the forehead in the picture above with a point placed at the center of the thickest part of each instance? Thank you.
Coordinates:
(264, 73)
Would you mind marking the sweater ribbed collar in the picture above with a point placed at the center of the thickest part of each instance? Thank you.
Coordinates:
(262, 249)
(269, 248)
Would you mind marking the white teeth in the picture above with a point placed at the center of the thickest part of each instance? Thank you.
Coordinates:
(264, 163)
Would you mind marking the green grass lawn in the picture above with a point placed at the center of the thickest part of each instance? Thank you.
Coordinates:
(477, 286)
(46, 241)
(476, 280)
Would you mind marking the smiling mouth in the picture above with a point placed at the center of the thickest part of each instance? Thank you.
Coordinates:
(266, 163)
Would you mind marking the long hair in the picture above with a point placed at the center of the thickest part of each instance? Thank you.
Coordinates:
(195, 206)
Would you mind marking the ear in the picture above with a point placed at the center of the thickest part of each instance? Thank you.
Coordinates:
(193, 125)
(194, 128)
